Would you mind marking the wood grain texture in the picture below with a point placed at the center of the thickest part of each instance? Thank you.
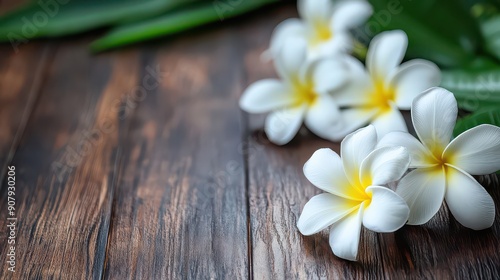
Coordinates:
(179, 210)
(65, 166)
(21, 75)
(444, 249)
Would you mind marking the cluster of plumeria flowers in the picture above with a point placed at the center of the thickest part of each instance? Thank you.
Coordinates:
(322, 86)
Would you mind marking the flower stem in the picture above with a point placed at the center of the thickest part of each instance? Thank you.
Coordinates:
(359, 50)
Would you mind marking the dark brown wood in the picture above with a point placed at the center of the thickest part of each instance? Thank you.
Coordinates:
(65, 166)
(21, 75)
(443, 249)
(179, 208)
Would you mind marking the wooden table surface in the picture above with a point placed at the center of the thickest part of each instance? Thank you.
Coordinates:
(139, 164)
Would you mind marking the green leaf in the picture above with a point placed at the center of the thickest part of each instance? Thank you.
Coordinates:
(53, 19)
(485, 116)
(175, 22)
(491, 32)
(440, 31)
(474, 89)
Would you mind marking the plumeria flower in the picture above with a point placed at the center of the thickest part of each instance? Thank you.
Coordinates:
(377, 93)
(354, 191)
(303, 93)
(443, 168)
(324, 25)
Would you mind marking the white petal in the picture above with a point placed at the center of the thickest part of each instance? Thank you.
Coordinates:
(324, 170)
(281, 126)
(264, 96)
(357, 90)
(339, 43)
(356, 68)
(288, 28)
(387, 211)
(328, 75)
(345, 235)
(420, 156)
(291, 58)
(385, 53)
(315, 10)
(322, 211)
(468, 201)
(412, 78)
(355, 148)
(350, 14)
(323, 117)
(476, 151)
(384, 165)
(352, 119)
(389, 121)
(434, 114)
(423, 190)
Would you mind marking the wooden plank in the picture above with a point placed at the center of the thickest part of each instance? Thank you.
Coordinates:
(443, 249)
(278, 191)
(65, 166)
(21, 75)
(180, 207)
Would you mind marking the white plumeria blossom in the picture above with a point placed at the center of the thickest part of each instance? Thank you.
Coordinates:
(376, 94)
(443, 168)
(304, 93)
(355, 194)
(324, 25)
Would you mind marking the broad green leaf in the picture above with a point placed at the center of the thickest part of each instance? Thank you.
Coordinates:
(63, 17)
(474, 89)
(491, 32)
(175, 22)
(484, 116)
(440, 31)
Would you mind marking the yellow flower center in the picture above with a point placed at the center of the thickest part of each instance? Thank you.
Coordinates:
(357, 191)
(304, 93)
(436, 171)
(382, 96)
(441, 161)
(437, 158)
(361, 196)
(320, 33)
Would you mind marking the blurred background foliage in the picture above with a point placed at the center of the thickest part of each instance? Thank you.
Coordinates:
(461, 36)
(130, 21)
